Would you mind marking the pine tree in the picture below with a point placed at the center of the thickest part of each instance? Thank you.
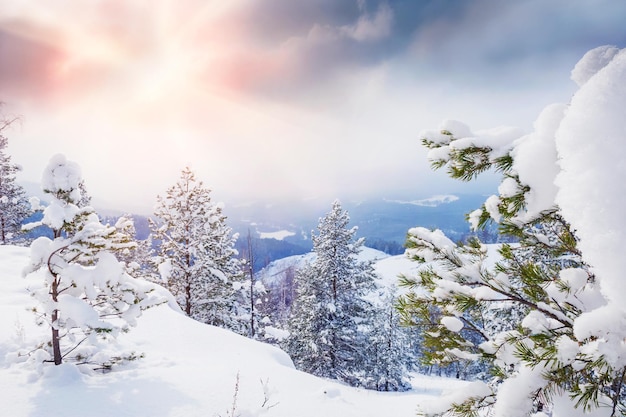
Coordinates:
(139, 259)
(326, 339)
(518, 316)
(389, 358)
(274, 310)
(198, 256)
(252, 290)
(14, 206)
(87, 297)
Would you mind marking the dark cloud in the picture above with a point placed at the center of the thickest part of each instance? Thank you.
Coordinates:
(274, 21)
(278, 20)
(308, 44)
(470, 41)
(491, 40)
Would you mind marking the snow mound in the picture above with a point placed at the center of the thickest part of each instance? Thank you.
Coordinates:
(592, 62)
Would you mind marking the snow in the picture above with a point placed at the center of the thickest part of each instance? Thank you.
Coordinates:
(165, 270)
(536, 322)
(592, 62)
(278, 235)
(458, 129)
(280, 266)
(81, 313)
(61, 174)
(498, 139)
(535, 161)
(190, 369)
(574, 277)
(564, 407)
(567, 349)
(508, 188)
(437, 237)
(434, 201)
(491, 205)
(591, 137)
(452, 323)
(454, 395)
(474, 218)
(514, 392)
(275, 333)
(389, 269)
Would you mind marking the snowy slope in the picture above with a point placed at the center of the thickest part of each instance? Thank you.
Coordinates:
(190, 369)
(276, 268)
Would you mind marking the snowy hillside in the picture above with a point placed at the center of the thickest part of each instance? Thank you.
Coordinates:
(190, 369)
(276, 268)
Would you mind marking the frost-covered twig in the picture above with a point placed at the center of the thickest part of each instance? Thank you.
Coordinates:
(266, 395)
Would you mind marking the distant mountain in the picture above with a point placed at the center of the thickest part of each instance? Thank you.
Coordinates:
(280, 230)
(283, 229)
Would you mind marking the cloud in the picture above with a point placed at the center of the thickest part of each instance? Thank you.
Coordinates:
(371, 28)
(286, 50)
(307, 57)
(278, 96)
(495, 42)
(26, 66)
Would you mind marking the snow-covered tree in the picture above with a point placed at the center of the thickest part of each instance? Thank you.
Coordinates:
(86, 297)
(138, 259)
(326, 339)
(274, 310)
(197, 255)
(253, 291)
(389, 358)
(14, 206)
(561, 288)
(85, 198)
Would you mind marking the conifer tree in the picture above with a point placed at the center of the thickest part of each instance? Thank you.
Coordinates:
(87, 297)
(197, 254)
(252, 291)
(14, 206)
(547, 346)
(389, 358)
(139, 259)
(326, 339)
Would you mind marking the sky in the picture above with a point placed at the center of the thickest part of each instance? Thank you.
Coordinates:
(279, 99)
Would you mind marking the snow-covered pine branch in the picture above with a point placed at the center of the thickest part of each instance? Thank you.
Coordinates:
(552, 308)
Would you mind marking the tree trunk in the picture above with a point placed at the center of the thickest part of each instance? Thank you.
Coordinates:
(188, 296)
(3, 237)
(251, 272)
(56, 343)
(188, 260)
